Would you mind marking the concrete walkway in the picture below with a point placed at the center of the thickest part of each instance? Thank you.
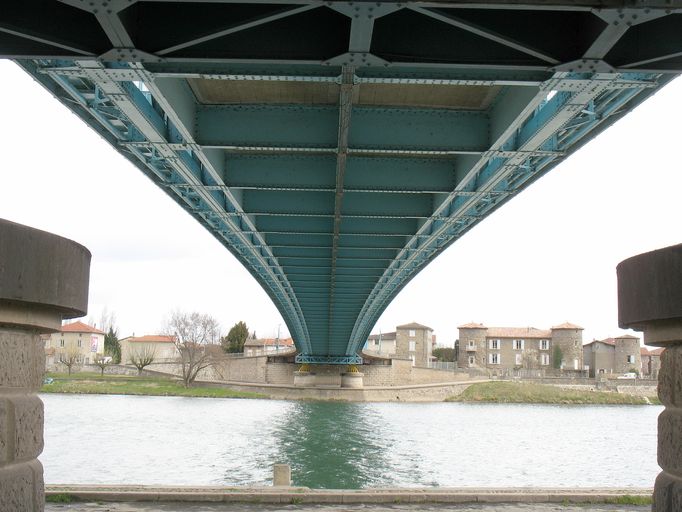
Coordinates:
(92, 498)
(254, 507)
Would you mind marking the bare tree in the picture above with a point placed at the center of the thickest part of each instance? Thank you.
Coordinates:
(195, 335)
(69, 357)
(140, 357)
(102, 362)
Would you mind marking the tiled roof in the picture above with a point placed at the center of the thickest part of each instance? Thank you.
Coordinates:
(272, 342)
(414, 325)
(607, 341)
(567, 325)
(472, 325)
(151, 338)
(627, 337)
(385, 336)
(517, 332)
(654, 352)
(80, 327)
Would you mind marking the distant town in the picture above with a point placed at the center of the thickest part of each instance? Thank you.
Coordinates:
(410, 355)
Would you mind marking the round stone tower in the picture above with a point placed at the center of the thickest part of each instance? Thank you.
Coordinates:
(569, 339)
(628, 354)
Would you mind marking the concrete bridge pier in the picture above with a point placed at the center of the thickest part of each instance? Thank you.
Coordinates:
(43, 279)
(650, 300)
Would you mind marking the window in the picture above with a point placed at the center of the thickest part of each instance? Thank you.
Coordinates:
(61, 342)
(472, 344)
(631, 359)
(519, 359)
(412, 358)
(80, 342)
(544, 344)
(494, 358)
(544, 359)
(518, 344)
(412, 333)
(412, 347)
(494, 344)
(471, 360)
(575, 343)
(576, 365)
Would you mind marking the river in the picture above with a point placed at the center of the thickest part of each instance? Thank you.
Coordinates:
(113, 439)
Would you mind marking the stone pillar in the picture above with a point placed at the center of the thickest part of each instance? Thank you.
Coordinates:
(650, 300)
(43, 279)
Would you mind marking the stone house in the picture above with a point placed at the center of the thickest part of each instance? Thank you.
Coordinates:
(76, 339)
(651, 362)
(503, 348)
(382, 344)
(624, 354)
(161, 346)
(267, 346)
(411, 341)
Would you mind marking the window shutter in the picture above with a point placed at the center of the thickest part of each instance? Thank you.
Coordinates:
(522, 342)
(490, 343)
(499, 358)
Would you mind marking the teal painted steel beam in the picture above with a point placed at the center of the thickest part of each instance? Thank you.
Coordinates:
(316, 126)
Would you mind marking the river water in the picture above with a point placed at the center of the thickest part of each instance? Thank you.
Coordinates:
(117, 439)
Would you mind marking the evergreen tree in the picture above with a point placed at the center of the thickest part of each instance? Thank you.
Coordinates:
(111, 345)
(235, 339)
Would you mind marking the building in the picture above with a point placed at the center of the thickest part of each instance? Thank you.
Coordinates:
(499, 348)
(267, 346)
(77, 341)
(162, 347)
(624, 354)
(411, 341)
(382, 344)
(651, 362)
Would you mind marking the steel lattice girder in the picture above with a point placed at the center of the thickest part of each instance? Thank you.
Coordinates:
(337, 149)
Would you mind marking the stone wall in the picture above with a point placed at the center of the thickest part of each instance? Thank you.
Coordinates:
(21, 420)
(257, 370)
(423, 393)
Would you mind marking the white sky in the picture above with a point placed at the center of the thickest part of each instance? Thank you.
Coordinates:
(546, 257)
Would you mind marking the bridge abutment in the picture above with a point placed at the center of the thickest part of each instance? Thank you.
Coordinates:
(43, 279)
(650, 300)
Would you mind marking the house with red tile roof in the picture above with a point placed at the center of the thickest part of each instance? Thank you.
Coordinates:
(500, 349)
(76, 340)
(624, 354)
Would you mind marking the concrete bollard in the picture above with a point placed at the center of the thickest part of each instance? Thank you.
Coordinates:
(43, 278)
(282, 475)
(650, 300)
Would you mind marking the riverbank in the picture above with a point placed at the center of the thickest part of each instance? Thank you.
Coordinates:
(92, 383)
(529, 393)
(467, 391)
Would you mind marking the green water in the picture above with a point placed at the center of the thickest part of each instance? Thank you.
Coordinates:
(337, 445)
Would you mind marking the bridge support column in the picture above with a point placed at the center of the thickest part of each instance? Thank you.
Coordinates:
(650, 300)
(43, 278)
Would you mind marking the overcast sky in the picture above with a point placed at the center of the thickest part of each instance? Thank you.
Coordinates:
(546, 257)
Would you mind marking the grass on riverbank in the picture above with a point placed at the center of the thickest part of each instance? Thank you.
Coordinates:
(93, 383)
(528, 393)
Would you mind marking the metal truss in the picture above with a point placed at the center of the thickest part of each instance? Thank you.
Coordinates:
(338, 163)
(304, 358)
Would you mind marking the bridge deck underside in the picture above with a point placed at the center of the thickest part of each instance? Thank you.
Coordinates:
(335, 149)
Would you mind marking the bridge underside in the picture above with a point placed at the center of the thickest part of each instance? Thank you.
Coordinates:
(336, 148)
